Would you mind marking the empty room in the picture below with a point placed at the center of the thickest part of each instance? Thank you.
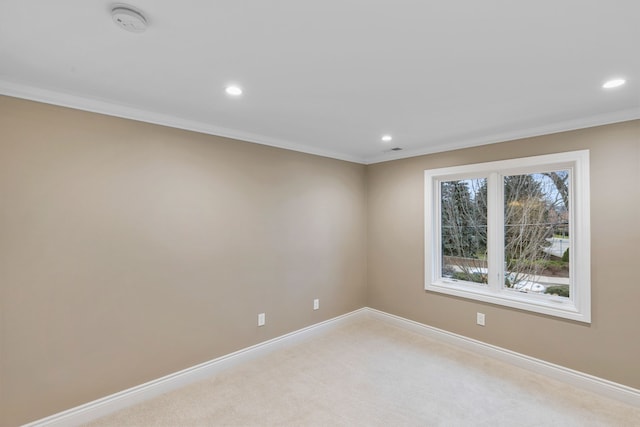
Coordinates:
(336, 213)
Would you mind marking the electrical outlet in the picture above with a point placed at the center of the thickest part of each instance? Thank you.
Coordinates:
(316, 304)
(480, 319)
(261, 319)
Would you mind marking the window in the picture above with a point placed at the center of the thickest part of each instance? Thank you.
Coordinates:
(512, 232)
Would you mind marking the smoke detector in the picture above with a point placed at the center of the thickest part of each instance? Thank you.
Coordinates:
(129, 19)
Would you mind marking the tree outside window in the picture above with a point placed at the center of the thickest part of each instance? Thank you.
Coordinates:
(501, 230)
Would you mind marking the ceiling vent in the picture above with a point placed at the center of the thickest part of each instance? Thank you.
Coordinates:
(391, 150)
(129, 19)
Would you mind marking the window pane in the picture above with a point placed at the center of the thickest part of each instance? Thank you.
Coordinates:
(463, 216)
(536, 215)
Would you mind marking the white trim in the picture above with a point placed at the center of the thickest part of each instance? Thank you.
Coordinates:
(578, 306)
(109, 404)
(111, 108)
(572, 377)
(495, 138)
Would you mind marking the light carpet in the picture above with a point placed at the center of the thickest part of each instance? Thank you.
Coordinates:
(369, 373)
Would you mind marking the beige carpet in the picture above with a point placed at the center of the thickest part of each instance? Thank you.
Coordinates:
(369, 373)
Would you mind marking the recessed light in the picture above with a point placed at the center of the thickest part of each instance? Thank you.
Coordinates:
(233, 90)
(386, 138)
(610, 84)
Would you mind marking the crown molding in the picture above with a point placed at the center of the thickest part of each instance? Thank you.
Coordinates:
(111, 108)
(561, 126)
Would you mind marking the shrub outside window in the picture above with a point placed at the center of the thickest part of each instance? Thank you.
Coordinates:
(512, 232)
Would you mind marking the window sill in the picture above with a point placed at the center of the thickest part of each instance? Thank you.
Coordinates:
(548, 305)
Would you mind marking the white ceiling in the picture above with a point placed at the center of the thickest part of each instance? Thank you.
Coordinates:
(330, 77)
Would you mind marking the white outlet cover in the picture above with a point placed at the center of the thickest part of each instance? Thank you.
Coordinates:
(261, 319)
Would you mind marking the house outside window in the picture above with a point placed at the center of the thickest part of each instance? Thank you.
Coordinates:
(512, 232)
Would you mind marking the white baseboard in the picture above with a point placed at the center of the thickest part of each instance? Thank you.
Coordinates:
(109, 404)
(98, 408)
(577, 379)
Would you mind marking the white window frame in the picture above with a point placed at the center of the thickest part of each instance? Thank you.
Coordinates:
(578, 305)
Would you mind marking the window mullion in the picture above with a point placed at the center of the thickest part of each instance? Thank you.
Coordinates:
(495, 231)
(531, 195)
(437, 235)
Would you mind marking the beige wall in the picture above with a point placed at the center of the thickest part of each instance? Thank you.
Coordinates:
(129, 251)
(609, 347)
